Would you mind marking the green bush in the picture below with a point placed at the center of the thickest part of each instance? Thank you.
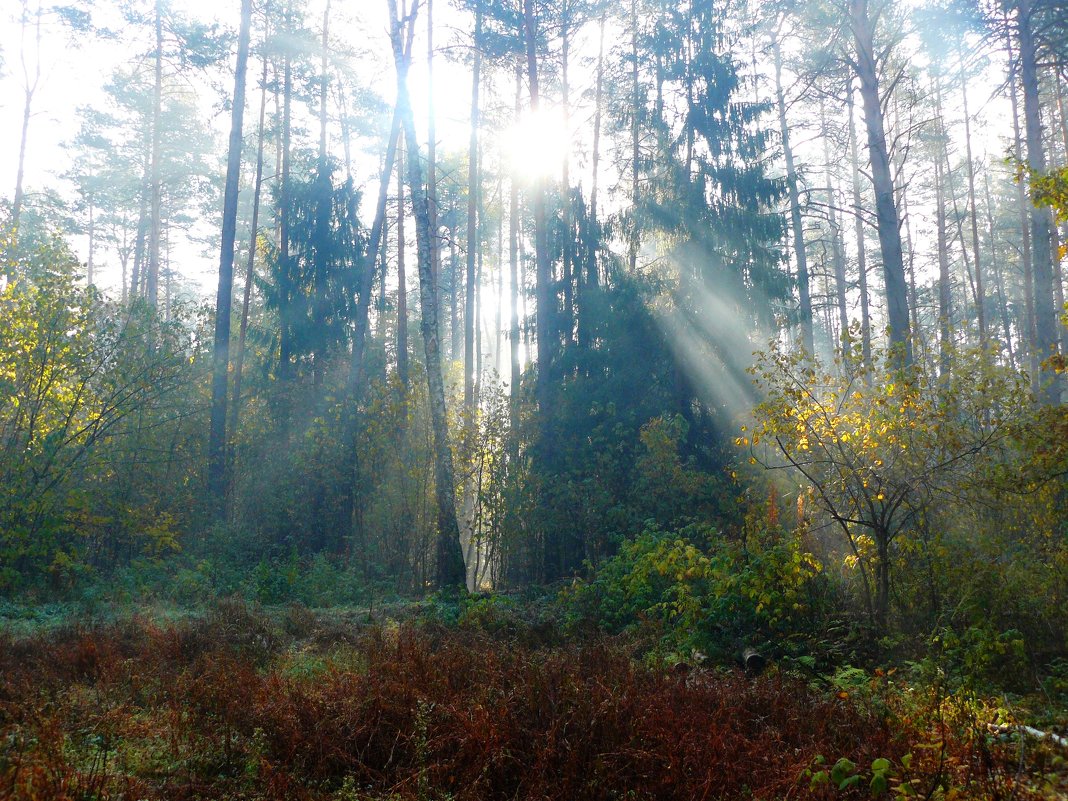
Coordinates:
(701, 591)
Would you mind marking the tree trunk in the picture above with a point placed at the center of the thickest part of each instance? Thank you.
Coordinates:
(796, 222)
(402, 281)
(837, 257)
(451, 573)
(472, 227)
(973, 208)
(29, 90)
(432, 169)
(858, 224)
(632, 250)
(544, 297)
(92, 243)
(156, 188)
(999, 283)
(323, 209)
(513, 272)
(250, 266)
(1041, 220)
(888, 221)
(595, 241)
(370, 260)
(1025, 231)
(567, 319)
(285, 350)
(224, 298)
(945, 311)
(1058, 271)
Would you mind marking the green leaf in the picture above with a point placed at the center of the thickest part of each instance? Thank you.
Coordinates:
(880, 765)
(852, 781)
(842, 769)
(878, 784)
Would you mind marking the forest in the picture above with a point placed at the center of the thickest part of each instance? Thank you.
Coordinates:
(461, 400)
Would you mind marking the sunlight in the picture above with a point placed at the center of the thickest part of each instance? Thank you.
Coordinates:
(537, 145)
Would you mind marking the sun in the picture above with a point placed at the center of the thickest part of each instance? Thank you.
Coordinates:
(538, 143)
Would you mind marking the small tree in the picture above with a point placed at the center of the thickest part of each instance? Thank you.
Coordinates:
(881, 448)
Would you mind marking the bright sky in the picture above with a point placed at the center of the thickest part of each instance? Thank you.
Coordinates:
(74, 72)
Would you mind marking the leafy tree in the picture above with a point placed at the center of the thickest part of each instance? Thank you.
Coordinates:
(75, 377)
(881, 455)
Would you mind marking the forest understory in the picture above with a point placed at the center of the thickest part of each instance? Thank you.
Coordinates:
(478, 699)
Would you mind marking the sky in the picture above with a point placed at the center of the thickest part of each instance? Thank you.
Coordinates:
(73, 73)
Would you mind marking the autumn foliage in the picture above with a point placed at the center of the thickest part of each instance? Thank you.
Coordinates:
(233, 705)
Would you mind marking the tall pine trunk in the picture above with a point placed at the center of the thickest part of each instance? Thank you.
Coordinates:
(285, 338)
(858, 225)
(155, 185)
(796, 222)
(1041, 220)
(887, 218)
(402, 281)
(450, 573)
(513, 272)
(973, 207)
(837, 256)
(470, 368)
(545, 310)
(323, 210)
(250, 265)
(1022, 206)
(224, 297)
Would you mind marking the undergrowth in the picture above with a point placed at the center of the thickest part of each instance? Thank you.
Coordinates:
(234, 704)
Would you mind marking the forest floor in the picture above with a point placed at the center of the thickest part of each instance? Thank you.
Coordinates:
(234, 702)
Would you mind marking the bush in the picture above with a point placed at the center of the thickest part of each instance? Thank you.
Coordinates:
(700, 591)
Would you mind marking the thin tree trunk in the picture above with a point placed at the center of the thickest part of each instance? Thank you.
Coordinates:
(837, 257)
(858, 223)
(250, 266)
(455, 282)
(285, 350)
(370, 259)
(945, 310)
(906, 218)
(796, 223)
(889, 224)
(632, 252)
(402, 281)
(513, 271)
(595, 239)
(224, 298)
(1025, 230)
(1058, 271)
(973, 207)
(156, 188)
(543, 290)
(451, 573)
(92, 244)
(30, 89)
(432, 168)
(323, 209)
(1041, 220)
(472, 226)
(567, 320)
(999, 283)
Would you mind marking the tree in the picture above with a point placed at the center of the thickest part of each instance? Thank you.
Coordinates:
(880, 455)
(451, 573)
(865, 60)
(224, 298)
